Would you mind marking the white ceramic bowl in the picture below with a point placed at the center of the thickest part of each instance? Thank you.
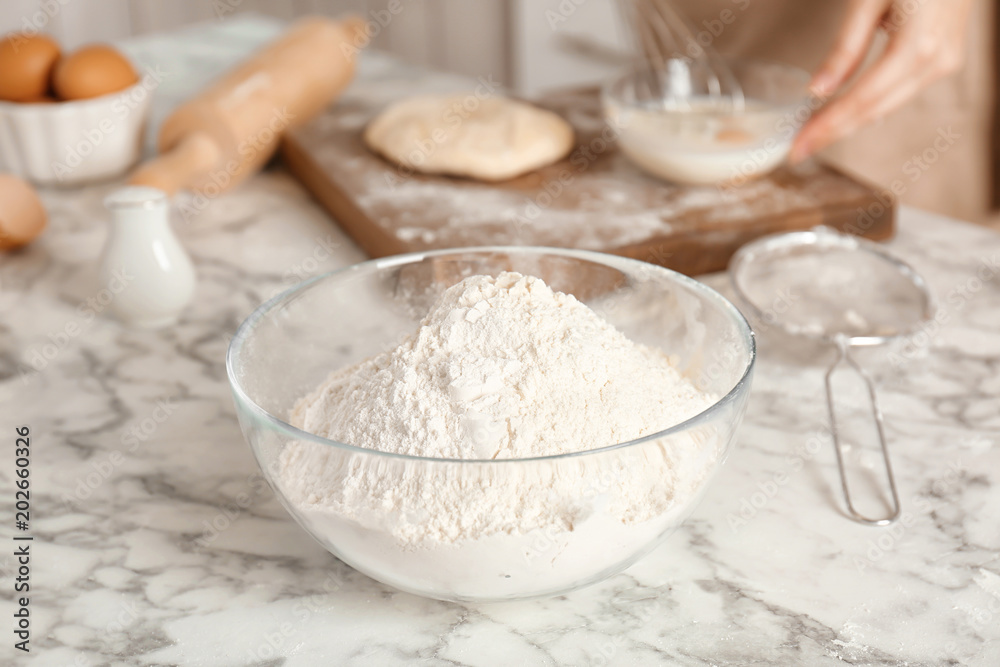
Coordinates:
(65, 143)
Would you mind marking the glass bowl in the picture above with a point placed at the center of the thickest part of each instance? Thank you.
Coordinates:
(575, 518)
(673, 126)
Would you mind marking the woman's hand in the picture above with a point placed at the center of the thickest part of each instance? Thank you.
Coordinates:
(926, 42)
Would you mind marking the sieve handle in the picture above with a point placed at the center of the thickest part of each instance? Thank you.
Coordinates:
(844, 355)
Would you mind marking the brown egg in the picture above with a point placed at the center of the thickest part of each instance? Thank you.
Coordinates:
(91, 72)
(26, 62)
(22, 216)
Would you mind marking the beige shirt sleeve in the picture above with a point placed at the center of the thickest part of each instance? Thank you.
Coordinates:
(936, 152)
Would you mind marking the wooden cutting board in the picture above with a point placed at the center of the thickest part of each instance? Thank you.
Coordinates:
(595, 199)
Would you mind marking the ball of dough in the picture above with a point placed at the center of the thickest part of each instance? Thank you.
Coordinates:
(490, 139)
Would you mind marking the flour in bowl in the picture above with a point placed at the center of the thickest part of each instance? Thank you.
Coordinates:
(501, 368)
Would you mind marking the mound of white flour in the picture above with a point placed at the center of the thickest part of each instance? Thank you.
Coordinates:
(500, 368)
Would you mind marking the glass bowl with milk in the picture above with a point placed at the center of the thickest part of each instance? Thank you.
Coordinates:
(683, 124)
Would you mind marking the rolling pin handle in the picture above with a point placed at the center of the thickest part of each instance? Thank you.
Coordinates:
(180, 167)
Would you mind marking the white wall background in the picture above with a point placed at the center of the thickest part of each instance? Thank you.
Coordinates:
(564, 43)
(520, 42)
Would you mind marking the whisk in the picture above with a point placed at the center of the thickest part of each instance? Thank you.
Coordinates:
(669, 50)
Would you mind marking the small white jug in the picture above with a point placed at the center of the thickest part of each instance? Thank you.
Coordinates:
(143, 254)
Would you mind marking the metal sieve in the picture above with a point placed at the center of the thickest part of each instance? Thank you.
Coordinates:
(840, 290)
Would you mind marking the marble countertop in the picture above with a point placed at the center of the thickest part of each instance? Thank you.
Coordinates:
(156, 544)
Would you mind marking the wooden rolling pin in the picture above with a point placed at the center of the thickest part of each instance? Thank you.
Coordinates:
(226, 133)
